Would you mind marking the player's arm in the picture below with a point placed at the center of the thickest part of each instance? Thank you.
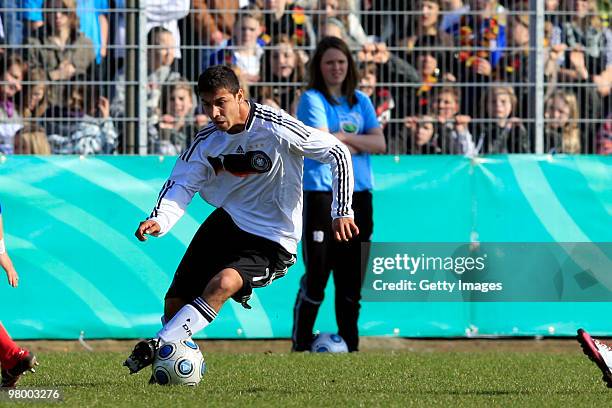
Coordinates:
(174, 197)
(325, 148)
(5, 260)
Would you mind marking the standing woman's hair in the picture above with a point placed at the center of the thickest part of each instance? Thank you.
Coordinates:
(316, 81)
(69, 8)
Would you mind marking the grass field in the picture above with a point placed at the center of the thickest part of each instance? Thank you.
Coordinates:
(484, 373)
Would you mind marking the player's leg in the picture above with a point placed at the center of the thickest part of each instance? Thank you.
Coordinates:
(349, 271)
(316, 247)
(171, 306)
(202, 310)
(194, 272)
(8, 348)
(599, 352)
(13, 359)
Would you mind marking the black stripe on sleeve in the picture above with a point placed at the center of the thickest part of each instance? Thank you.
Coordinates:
(345, 210)
(342, 194)
(166, 187)
(300, 131)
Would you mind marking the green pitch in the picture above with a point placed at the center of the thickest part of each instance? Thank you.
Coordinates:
(368, 379)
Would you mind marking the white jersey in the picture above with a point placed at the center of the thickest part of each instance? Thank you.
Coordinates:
(256, 175)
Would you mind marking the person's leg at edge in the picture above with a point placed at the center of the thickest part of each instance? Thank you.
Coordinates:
(9, 350)
(349, 271)
(14, 361)
(316, 246)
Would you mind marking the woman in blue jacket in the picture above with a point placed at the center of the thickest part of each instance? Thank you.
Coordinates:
(333, 104)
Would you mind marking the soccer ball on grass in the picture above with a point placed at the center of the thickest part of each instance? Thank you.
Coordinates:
(329, 343)
(179, 363)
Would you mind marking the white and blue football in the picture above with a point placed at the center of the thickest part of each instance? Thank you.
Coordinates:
(179, 363)
(329, 343)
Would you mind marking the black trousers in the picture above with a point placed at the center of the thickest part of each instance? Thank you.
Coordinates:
(322, 255)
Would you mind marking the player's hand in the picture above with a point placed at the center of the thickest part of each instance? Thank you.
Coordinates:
(148, 227)
(13, 278)
(344, 229)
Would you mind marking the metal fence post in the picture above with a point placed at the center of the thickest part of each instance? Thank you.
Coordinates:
(142, 79)
(131, 62)
(536, 69)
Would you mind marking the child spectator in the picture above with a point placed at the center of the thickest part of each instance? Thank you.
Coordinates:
(429, 66)
(11, 73)
(285, 17)
(285, 70)
(590, 43)
(244, 49)
(160, 57)
(338, 14)
(454, 135)
(391, 68)
(63, 52)
(482, 39)
(32, 139)
(514, 65)
(422, 137)
(176, 127)
(427, 25)
(381, 97)
(604, 138)
(504, 133)
(33, 97)
(562, 134)
(87, 126)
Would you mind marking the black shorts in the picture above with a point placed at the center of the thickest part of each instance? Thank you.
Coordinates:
(220, 244)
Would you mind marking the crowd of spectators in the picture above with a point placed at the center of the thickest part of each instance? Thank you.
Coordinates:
(445, 76)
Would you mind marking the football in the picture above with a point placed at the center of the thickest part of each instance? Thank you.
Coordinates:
(329, 343)
(179, 363)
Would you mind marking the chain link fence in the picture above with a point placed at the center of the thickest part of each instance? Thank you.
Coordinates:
(445, 76)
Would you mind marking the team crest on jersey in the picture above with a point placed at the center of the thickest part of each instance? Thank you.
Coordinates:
(242, 165)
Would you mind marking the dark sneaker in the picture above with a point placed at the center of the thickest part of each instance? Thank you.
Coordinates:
(600, 353)
(26, 362)
(142, 356)
(302, 346)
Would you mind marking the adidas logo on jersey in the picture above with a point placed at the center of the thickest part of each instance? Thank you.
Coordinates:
(240, 150)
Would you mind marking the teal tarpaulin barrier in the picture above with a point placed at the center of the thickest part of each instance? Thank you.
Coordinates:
(69, 226)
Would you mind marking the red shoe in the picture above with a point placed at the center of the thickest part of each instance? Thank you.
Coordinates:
(600, 353)
(26, 361)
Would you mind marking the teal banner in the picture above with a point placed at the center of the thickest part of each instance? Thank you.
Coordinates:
(69, 224)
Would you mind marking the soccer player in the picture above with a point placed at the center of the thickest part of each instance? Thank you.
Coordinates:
(600, 353)
(248, 164)
(13, 359)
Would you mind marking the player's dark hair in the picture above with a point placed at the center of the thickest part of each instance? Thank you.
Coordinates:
(316, 81)
(218, 77)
